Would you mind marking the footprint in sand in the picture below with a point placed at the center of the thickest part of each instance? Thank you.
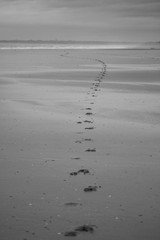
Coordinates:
(86, 228)
(79, 122)
(90, 150)
(88, 139)
(88, 121)
(78, 141)
(72, 204)
(89, 128)
(89, 113)
(90, 189)
(75, 158)
(83, 170)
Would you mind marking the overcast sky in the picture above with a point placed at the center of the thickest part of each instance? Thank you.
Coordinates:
(108, 20)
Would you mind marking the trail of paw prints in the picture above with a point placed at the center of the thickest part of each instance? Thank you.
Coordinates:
(84, 136)
(88, 115)
(86, 119)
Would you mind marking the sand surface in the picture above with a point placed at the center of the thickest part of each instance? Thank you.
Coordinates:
(79, 144)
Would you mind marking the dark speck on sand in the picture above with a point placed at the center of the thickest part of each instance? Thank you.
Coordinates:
(72, 204)
(85, 228)
(70, 234)
(90, 189)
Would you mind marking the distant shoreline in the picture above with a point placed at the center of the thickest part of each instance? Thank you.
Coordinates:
(56, 44)
(76, 42)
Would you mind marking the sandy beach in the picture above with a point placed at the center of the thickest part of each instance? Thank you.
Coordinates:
(79, 144)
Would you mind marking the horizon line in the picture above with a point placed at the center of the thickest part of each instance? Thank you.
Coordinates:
(76, 41)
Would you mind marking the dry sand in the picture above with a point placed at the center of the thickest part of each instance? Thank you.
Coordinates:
(79, 145)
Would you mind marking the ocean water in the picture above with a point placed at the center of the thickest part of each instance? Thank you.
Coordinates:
(20, 45)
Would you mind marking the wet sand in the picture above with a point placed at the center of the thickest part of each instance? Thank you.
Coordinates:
(79, 144)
